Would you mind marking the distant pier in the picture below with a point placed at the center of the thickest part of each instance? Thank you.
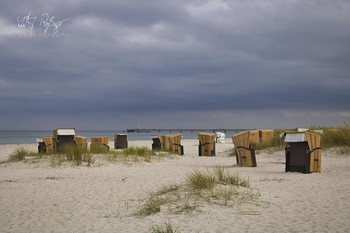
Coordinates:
(137, 130)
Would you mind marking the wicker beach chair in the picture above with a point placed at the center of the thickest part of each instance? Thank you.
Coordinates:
(170, 142)
(99, 143)
(63, 137)
(245, 155)
(303, 153)
(120, 141)
(206, 145)
(80, 141)
(46, 145)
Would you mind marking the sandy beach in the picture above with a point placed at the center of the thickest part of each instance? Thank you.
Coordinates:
(36, 197)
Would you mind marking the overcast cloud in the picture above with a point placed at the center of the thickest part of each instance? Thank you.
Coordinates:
(159, 63)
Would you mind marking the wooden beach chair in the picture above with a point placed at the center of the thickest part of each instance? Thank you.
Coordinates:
(63, 137)
(260, 136)
(99, 143)
(206, 145)
(120, 141)
(303, 153)
(245, 155)
(254, 136)
(80, 141)
(266, 135)
(175, 144)
(46, 145)
(171, 142)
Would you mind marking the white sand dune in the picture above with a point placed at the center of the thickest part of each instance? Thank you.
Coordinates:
(35, 197)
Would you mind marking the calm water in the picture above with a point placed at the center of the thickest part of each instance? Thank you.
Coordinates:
(20, 137)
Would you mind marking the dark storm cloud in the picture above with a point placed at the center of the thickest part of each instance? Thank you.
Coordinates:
(176, 56)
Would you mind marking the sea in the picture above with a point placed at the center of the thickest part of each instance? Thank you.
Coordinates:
(30, 136)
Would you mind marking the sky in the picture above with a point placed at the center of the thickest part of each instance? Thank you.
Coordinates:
(117, 64)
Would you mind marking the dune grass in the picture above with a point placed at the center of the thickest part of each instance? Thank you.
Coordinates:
(137, 154)
(201, 180)
(223, 177)
(208, 180)
(275, 144)
(78, 154)
(99, 149)
(21, 153)
(167, 228)
(212, 187)
(338, 137)
(152, 205)
(72, 153)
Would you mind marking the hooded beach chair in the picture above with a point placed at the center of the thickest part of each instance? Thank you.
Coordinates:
(245, 155)
(303, 153)
(120, 141)
(63, 137)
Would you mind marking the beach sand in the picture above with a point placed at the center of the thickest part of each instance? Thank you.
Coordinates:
(36, 197)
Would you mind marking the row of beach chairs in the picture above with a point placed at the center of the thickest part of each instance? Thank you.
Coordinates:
(61, 137)
(303, 150)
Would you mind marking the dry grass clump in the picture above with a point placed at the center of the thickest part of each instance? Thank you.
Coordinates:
(208, 180)
(72, 153)
(152, 205)
(223, 177)
(215, 187)
(201, 180)
(167, 228)
(168, 189)
(77, 154)
(20, 154)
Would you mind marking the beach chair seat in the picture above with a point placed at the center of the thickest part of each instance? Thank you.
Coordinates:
(245, 154)
(156, 145)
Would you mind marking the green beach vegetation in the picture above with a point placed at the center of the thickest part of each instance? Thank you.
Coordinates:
(20, 154)
(212, 187)
(80, 155)
(167, 228)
